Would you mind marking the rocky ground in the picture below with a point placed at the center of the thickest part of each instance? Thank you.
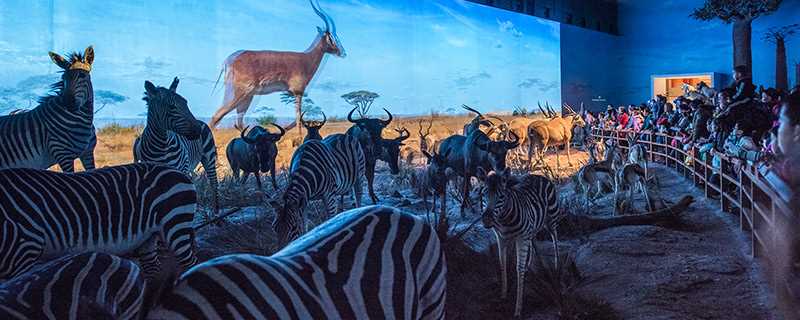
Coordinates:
(696, 268)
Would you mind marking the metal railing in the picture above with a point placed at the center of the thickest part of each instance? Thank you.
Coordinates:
(744, 189)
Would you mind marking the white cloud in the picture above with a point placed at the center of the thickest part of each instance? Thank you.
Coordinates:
(458, 17)
(508, 26)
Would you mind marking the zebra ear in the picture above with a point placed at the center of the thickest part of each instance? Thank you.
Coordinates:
(59, 60)
(174, 85)
(150, 88)
(88, 55)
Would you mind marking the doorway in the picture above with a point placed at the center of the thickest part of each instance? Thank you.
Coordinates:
(672, 86)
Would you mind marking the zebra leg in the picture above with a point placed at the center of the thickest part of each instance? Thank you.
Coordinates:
(554, 237)
(87, 157)
(209, 161)
(465, 195)
(502, 249)
(243, 178)
(523, 259)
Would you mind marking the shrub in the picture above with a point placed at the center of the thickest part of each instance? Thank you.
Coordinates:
(118, 129)
(266, 120)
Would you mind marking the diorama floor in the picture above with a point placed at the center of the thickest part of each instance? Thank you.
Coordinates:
(695, 268)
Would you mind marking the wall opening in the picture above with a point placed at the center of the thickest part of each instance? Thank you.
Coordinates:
(672, 86)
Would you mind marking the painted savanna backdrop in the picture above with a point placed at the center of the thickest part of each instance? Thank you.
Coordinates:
(419, 56)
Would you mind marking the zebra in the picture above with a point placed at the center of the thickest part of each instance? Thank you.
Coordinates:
(174, 137)
(374, 262)
(115, 210)
(319, 170)
(518, 208)
(89, 285)
(60, 128)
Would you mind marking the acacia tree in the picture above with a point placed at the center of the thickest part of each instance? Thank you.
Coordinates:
(778, 36)
(741, 13)
(106, 97)
(362, 100)
(288, 98)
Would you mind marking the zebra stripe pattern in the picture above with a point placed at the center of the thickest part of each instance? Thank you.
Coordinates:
(174, 137)
(517, 210)
(83, 286)
(114, 210)
(59, 130)
(319, 170)
(369, 263)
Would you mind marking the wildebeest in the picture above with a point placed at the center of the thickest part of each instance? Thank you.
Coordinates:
(368, 133)
(254, 152)
(313, 127)
(465, 154)
(390, 149)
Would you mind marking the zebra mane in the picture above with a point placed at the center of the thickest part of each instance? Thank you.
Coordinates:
(56, 88)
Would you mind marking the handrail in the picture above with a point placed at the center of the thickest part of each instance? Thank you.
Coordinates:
(742, 189)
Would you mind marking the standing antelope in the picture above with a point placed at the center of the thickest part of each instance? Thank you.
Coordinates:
(637, 153)
(249, 73)
(630, 177)
(555, 132)
(426, 141)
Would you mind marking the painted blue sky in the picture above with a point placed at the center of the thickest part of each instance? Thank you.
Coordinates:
(418, 55)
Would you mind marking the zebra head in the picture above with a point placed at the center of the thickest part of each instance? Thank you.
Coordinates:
(496, 185)
(288, 224)
(17, 251)
(75, 88)
(264, 143)
(496, 150)
(390, 149)
(169, 111)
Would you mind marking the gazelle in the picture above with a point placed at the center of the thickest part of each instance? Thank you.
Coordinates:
(249, 73)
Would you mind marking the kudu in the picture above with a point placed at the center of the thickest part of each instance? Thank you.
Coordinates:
(313, 127)
(426, 141)
(254, 152)
(369, 134)
(555, 132)
(467, 153)
(249, 73)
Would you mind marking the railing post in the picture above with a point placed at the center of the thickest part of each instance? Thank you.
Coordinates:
(705, 173)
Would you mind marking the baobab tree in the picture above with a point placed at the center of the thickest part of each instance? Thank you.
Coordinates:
(362, 99)
(778, 36)
(741, 13)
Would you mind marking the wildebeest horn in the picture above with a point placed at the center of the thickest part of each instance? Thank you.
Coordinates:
(388, 121)
(174, 85)
(472, 110)
(404, 134)
(303, 121)
(282, 130)
(512, 144)
(350, 116)
(245, 138)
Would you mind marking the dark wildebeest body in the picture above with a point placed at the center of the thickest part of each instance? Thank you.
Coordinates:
(254, 153)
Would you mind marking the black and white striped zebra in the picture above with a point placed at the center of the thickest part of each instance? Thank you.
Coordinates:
(518, 208)
(60, 129)
(114, 210)
(81, 286)
(319, 170)
(174, 137)
(374, 262)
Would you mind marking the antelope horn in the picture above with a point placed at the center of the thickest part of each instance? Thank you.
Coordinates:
(245, 138)
(541, 109)
(388, 121)
(321, 15)
(472, 110)
(324, 119)
(550, 110)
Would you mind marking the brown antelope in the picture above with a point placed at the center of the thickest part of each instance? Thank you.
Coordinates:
(593, 173)
(249, 73)
(555, 132)
(426, 141)
(637, 153)
(630, 177)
